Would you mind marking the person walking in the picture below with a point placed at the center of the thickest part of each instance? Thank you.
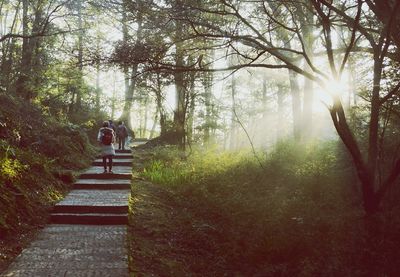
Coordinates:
(111, 125)
(106, 138)
(122, 134)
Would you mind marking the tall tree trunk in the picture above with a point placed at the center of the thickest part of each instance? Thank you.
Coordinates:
(146, 116)
(180, 90)
(80, 53)
(307, 32)
(141, 117)
(130, 81)
(71, 106)
(98, 89)
(264, 97)
(113, 97)
(160, 107)
(374, 120)
(7, 57)
(296, 105)
(127, 80)
(233, 128)
(207, 81)
(153, 127)
(22, 81)
(279, 128)
(192, 107)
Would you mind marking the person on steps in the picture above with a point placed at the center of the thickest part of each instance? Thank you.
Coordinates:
(122, 133)
(106, 138)
(112, 125)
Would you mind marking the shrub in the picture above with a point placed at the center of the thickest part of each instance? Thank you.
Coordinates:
(34, 148)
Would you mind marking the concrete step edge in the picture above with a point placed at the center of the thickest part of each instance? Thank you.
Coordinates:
(101, 186)
(114, 163)
(106, 176)
(90, 209)
(89, 219)
(118, 157)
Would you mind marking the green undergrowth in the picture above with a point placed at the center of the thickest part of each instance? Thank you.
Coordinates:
(299, 213)
(38, 154)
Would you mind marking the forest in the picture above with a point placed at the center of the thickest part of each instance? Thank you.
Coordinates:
(273, 127)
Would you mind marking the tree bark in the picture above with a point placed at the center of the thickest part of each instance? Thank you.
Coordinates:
(233, 127)
(180, 90)
(374, 118)
(130, 81)
(80, 53)
(307, 32)
(208, 86)
(296, 105)
(279, 127)
(22, 81)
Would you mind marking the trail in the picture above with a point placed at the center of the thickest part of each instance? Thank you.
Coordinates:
(87, 231)
(91, 233)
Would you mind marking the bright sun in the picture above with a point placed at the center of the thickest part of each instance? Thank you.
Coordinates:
(322, 96)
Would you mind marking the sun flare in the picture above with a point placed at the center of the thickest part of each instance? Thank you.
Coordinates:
(323, 95)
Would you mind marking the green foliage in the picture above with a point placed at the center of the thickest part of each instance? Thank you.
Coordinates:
(171, 167)
(9, 167)
(34, 147)
(298, 215)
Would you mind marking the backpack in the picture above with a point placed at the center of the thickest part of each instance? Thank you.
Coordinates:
(106, 137)
(121, 131)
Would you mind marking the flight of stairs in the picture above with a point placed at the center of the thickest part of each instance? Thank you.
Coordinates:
(98, 198)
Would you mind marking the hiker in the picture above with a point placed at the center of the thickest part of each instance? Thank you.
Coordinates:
(106, 137)
(122, 134)
(112, 125)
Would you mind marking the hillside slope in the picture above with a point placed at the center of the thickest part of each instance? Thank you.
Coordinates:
(38, 153)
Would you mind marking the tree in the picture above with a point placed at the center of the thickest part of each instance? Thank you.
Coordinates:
(238, 29)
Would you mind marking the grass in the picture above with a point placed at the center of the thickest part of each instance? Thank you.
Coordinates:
(299, 214)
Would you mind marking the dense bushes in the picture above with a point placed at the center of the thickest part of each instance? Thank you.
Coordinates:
(34, 149)
(298, 214)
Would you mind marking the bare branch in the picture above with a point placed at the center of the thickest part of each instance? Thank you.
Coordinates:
(352, 40)
(390, 94)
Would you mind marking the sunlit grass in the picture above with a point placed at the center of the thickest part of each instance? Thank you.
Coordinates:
(171, 168)
(298, 214)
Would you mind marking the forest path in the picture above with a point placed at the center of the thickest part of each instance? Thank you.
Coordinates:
(87, 234)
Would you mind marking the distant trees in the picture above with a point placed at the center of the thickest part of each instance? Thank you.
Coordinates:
(260, 43)
(43, 52)
(310, 38)
(22, 53)
(184, 45)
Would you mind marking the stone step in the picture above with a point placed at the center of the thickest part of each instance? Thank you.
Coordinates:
(89, 219)
(83, 209)
(96, 172)
(128, 162)
(74, 250)
(120, 156)
(123, 151)
(106, 176)
(102, 184)
(82, 199)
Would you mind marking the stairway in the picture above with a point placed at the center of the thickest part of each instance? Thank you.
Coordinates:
(98, 198)
(87, 233)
